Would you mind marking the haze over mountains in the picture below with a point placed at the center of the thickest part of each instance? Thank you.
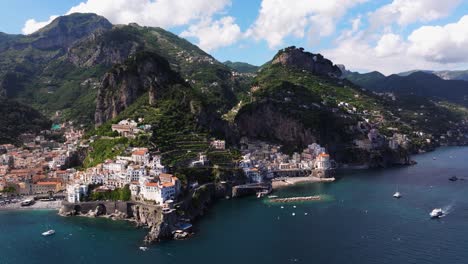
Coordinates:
(81, 68)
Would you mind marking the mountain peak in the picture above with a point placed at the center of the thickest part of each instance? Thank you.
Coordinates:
(300, 59)
(65, 30)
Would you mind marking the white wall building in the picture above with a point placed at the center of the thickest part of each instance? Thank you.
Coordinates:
(76, 192)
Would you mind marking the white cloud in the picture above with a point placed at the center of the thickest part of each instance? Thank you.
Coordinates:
(442, 44)
(215, 34)
(161, 13)
(389, 44)
(428, 47)
(32, 25)
(279, 19)
(405, 12)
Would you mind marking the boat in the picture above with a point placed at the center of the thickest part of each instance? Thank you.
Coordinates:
(143, 248)
(27, 202)
(48, 232)
(453, 178)
(437, 213)
(397, 195)
(272, 196)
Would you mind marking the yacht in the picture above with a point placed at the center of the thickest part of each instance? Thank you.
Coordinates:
(437, 213)
(49, 232)
(397, 195)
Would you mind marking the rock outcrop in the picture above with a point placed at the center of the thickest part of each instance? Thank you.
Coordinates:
(121, 86)
(300, 59)
(161, 224)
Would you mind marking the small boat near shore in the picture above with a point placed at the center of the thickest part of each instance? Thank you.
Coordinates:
(48, 232)
(397, 195)
(143, 248)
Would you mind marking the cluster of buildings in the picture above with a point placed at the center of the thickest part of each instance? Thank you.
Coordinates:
(39, 165)
(129, 128)
(141, 171)
(262, 161)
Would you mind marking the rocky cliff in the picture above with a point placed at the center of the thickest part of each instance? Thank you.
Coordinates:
(161, 225)
(121, 86)
(300, 59)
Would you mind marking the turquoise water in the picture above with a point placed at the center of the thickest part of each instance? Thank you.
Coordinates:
(358, 222)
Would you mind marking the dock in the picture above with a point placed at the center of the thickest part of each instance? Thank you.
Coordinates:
(296, 199)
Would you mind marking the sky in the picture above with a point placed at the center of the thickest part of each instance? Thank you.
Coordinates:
(389, 36)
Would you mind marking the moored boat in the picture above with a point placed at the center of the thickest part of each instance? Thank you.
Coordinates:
(48, 232)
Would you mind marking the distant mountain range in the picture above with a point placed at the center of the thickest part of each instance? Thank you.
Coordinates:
(242, 67)
(416, 83)
(446, 75)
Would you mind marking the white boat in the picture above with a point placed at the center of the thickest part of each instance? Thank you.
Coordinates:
(49, 232)
(397, 195)
(437, 213)
(143, 248)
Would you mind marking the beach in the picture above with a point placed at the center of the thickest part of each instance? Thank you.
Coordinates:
(38, 205)
(285, 182)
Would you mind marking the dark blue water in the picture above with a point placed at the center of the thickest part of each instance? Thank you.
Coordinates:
(358, 222)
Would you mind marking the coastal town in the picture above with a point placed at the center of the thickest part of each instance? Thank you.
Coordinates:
(47, 167)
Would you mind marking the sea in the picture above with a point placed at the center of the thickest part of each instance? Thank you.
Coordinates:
(357, 221)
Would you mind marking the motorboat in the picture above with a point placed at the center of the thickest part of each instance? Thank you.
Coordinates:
(143, 248)
(453, 178)
(437, 213)
(48, 232)
(397, 195)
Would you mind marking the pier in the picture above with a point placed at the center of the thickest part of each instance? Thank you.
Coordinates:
(296, 199)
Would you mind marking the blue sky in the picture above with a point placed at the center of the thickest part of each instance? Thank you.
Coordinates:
(386, 35)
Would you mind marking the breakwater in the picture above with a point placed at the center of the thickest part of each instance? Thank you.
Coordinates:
(296, 199)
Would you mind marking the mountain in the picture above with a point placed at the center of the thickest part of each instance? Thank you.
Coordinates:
(422, 84)
(82, 68)
(297, 99)
(446, 75)
(242, 67)
(60, 67)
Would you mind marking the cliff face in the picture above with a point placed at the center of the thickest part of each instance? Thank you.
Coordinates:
(314, 63)
(266, 122)
(120, 87)
(161, 225)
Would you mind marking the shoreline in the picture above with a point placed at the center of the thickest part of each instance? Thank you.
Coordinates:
(38, 205)
(295, 180)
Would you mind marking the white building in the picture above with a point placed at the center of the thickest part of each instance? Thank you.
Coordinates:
(323, 162)
(165, 189)
(218, 144)
(76, 192)
(140, 156)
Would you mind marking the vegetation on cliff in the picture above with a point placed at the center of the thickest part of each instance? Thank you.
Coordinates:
(16, 119)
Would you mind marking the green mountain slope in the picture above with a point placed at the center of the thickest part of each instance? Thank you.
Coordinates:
(295, 102)
(16, 119)
(60, 67)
